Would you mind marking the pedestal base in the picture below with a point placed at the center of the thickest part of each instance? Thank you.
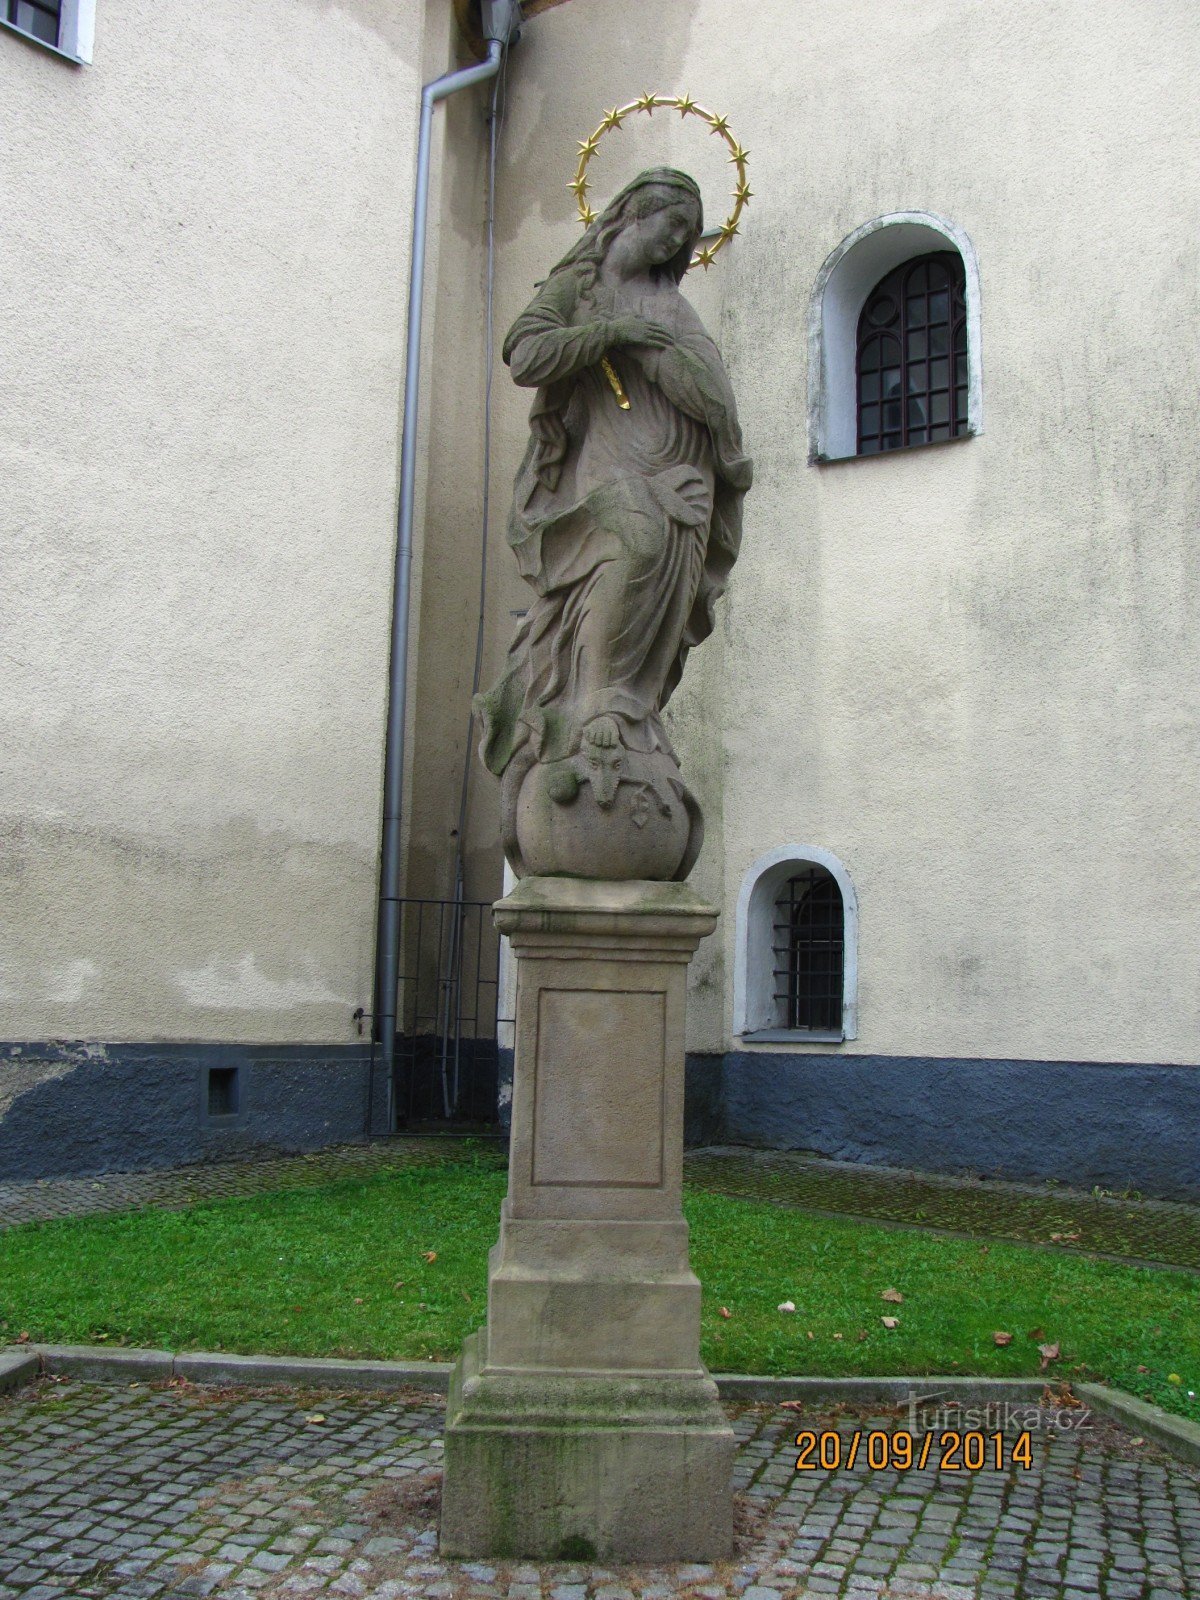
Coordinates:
(581, 1422)
(568, 1466)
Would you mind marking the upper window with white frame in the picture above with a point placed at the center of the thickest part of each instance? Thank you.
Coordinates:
(879, 377)
(64, 26)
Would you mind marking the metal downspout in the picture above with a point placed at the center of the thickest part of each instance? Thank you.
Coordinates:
(388, 936)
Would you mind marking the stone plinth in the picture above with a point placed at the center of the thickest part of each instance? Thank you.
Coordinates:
(581, 1421)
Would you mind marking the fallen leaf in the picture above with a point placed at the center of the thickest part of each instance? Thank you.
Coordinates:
(1137, 1441)
(725, 1312)
(1035, 1334)
(1001, 1338)
(984, 1248)
(837, 1336)
(23, 1336)
(786, 1305)
(399, 1283)
(1173, 1377)
(1143, 1369)
(1064, 1238)
(862, 1334)
(465, 1296)
(811, 1334)
(890, 1322)
(893, 1297)
(358, 1299)
(429, 1255)
(317, 1416)
(1048, 1353)
(791, 1405)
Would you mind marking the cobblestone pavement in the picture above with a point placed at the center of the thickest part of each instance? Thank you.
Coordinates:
(1142, 1230)
(165, 1491)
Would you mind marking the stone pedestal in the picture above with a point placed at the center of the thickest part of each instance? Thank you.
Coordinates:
(581, 1422)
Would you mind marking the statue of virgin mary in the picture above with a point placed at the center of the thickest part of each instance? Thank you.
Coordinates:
(626, 520)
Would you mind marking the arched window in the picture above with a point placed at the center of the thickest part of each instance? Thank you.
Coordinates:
(911, 356)
(808, 949)
(848, 286)
(795, 972)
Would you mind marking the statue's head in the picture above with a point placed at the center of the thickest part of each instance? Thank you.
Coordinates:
(660, 215)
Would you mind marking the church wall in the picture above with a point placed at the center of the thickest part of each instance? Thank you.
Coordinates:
(206, 255)
(969, 670)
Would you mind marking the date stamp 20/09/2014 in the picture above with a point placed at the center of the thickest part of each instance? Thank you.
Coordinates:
(948, 1451)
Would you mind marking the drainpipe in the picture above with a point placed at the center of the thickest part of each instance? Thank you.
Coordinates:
(501, 20)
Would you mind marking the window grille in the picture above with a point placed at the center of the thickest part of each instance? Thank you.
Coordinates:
(39, 18)
(911, 363)
(809, 946)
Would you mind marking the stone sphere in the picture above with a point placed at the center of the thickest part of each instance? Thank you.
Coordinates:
(564, 830)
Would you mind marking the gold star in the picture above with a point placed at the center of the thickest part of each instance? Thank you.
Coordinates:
(647, 103)
(742, 193)
(704, 258)
(730, 228)
(739, 155)
(587, 215)
(612, 119)
(719, 124)
(684, 103)
(588, 147)
(578, 185)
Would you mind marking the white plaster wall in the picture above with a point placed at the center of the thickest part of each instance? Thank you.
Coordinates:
(969, 671)
(203, 260)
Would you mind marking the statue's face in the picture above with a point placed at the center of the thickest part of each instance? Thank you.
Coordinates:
(659, 237)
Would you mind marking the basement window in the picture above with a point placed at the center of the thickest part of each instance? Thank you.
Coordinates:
(223, 1091)
(795, 976)
(808, 949)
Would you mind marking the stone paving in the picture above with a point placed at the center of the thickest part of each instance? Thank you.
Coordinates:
(1155, 1231)
(159, 1492)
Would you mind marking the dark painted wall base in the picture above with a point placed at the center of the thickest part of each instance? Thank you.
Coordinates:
(1116, 1125)
(69, 1110)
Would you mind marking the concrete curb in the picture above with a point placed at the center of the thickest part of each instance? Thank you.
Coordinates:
(17, 1366)
(1176, 1434)
(959, 1390)
(97, 1364)
(101, 1364)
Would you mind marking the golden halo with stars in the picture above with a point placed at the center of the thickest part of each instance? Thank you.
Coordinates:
(686, 107)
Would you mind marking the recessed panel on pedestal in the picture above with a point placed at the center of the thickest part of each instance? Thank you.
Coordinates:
(598, 1088)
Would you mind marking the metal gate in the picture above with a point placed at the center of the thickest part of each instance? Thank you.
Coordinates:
(446, 1072)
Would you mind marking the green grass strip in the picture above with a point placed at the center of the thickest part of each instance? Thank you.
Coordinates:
(341, 1270)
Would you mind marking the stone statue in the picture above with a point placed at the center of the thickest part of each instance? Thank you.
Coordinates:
(626, 520)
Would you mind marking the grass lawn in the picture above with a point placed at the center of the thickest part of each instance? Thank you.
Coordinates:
(343, 1271)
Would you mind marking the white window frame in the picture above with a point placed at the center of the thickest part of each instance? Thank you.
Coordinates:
(76, 32)
(843, 285)
(755, 1010)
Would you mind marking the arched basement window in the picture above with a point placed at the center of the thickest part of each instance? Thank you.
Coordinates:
(911, 356)
(795, 973)
(809, 943)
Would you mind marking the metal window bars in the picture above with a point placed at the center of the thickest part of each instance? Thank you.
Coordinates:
(911, 369)
(809, 949)
(447, 1059)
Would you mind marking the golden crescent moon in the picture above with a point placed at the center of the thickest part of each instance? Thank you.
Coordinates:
(686, 107)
